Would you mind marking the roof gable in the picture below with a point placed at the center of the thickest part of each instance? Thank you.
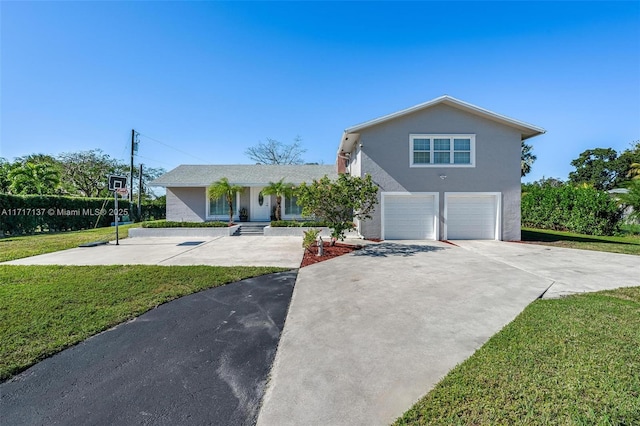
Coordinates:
(351, 134)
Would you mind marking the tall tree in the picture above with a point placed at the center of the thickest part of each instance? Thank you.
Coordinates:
(542, 183)
(148, 174)
(597, 167)
(279, 189)
(526, 159)
(38, 159)
(34, 179)
(629, 164)
(275, 152)
(85, 172)
(5, 182)
(222, 188)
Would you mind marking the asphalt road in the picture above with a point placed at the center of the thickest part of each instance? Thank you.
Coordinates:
(203, 359)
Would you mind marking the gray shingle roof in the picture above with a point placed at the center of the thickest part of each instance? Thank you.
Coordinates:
(243, 174)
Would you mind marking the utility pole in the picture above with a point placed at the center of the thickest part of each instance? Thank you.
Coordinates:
(133, 141)
(140, 193)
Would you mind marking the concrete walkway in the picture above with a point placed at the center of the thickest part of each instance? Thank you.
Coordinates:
(284, 252)
(369, 333)
(572, 271)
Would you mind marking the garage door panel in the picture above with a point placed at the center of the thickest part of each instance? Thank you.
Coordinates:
(409, 217)
(471, 217)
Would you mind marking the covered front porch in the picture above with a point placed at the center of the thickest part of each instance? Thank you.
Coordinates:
(252, 205)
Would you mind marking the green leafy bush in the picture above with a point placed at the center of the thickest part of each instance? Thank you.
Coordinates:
(310, 238)
(170, 224)
(583, 210)
(26, 214)
(297, 224)
(339, 201)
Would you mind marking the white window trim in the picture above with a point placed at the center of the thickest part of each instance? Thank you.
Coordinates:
(436, 209)
(225, 217)
(497, 195)
(451, 136)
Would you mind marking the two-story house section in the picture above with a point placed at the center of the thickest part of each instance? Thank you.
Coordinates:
(446, 170)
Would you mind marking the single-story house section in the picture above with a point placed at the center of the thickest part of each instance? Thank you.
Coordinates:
(446, 170)
(188, 201)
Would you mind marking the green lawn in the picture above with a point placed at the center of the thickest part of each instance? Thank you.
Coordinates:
(570, 361)
(627, 244)
(30, 245)
(44, 309)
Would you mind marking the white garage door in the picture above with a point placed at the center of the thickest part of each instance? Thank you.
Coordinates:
(471, 216)
(409, 217)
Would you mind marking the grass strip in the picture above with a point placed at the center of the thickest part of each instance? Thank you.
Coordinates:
(627, 244)
(570, 361)
(45, 309)
(12, 248)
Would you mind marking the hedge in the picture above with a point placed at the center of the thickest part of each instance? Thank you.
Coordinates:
(26, 214)
(151, 210)
(583, 210)
(295, 224)
(170, 224)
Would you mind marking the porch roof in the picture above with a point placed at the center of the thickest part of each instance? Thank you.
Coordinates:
(243, 174)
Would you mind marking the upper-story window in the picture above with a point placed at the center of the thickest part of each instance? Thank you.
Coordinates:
(442, 150)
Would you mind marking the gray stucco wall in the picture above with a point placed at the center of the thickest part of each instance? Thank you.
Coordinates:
(186, 204)
(385, 155)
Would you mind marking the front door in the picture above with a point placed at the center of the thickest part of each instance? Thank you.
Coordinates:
(260, 208)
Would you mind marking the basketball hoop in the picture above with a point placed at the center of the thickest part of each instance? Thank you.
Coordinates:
(122, 191)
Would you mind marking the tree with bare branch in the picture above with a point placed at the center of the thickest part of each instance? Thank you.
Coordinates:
(275, 152)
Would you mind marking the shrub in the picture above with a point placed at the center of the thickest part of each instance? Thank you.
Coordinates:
(170, 224)
(26, 214)
(295, 224)
(310, 238)
(583, 210)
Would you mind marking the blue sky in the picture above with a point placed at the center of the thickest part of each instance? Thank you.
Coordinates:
(210, 79)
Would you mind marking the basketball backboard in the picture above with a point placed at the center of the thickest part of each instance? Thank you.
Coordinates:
(117, 182)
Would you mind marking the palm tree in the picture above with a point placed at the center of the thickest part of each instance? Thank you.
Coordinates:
(526, 159)
(222, 188)
(34, 178)
(632, 199)
(634, 171)
(279, 189)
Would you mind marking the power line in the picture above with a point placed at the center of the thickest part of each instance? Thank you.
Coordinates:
(126, 146)
(170, 146)
(151, 159)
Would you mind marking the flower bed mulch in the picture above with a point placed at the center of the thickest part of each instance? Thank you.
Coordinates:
(310, 256)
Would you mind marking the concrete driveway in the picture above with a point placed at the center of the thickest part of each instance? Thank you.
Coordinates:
(369, 333)
(284, 252)
(571, 271)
